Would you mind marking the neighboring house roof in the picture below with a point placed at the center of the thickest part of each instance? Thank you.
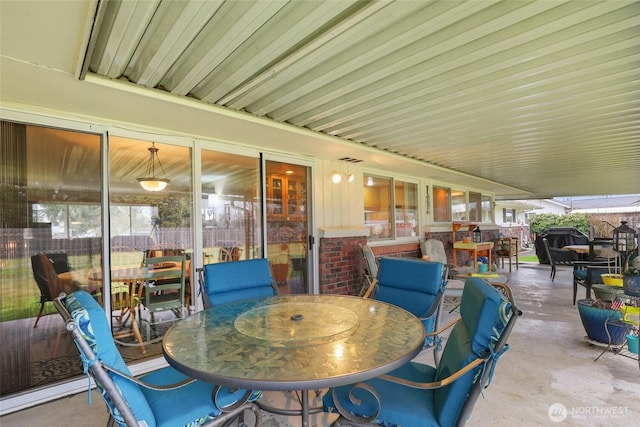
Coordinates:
(603, 204)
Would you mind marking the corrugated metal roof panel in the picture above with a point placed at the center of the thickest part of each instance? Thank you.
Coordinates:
(527, 94)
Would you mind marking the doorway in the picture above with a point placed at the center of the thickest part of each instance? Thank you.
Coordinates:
(287, 234)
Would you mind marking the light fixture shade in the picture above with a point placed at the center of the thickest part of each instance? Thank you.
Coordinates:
(153, 184)
(150, 182)
(336, 177)
(624, 238)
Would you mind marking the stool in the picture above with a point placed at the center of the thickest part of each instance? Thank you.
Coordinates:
(506, 248)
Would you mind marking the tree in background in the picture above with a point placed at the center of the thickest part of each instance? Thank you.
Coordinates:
(540, 222)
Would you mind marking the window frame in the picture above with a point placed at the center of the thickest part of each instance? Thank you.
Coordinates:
(393, 206)
(446, 194)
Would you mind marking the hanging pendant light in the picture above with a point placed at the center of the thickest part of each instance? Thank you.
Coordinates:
(150, 182)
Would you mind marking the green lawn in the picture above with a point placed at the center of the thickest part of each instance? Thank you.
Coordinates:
(19, 294)
(528, 258)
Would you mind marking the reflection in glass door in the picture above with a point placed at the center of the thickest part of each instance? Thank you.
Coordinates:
(287, 225)
(146, 225)
(50, 238)
(231, 214)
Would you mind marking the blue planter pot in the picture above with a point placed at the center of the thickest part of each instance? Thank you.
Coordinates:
(631, 285)
(593, 318)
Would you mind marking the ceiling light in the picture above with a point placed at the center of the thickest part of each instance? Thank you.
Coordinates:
(150, 182)
(350, 177)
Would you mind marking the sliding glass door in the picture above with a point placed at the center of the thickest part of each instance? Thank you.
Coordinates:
(50, 236)
(287, 206)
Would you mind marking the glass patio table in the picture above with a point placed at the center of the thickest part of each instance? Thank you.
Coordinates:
(294, 342)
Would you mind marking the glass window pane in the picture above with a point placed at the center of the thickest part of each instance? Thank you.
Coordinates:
(441, 204)
(458, 205)
(147, 224)
(231, 211)
(475, 203)
(287, 225)
(377, 206)
(406, 214)
(487, 212)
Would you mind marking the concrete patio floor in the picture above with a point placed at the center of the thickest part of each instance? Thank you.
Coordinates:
(548, 369)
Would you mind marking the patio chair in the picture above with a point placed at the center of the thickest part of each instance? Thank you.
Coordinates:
(370, 269)
(46, 268)
(413, 284)
(506, 248)
(234, 280)
(434, 250)
(588, 273)
(552, 259)
(419, 395)
(162, 398)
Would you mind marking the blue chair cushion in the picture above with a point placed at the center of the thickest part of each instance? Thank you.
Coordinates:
(580, 274)
(231, 281)
(484, 313)
(483, 310)
(92, 323)
(395, 399)
(449, 400)
(409, 283)
(188, 406)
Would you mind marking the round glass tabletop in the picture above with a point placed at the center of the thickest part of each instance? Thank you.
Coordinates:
(293, 342)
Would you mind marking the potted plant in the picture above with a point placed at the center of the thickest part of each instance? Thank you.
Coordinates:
(631, 275)
(594, 314)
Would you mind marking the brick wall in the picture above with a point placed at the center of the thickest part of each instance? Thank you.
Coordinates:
(341, 265)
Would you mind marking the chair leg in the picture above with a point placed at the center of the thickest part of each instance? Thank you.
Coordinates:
(39, 314)
(136, 329)
(57, 344)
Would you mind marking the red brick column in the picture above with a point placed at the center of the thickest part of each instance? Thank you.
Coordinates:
(341, 265)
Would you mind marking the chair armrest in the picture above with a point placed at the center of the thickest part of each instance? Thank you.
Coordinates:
(436, 384)
(434, 307)
(370, 290)
(587, 263)
(447, 326)
(147, 385)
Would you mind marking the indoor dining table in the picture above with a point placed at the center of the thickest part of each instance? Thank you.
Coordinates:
(294, 342)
